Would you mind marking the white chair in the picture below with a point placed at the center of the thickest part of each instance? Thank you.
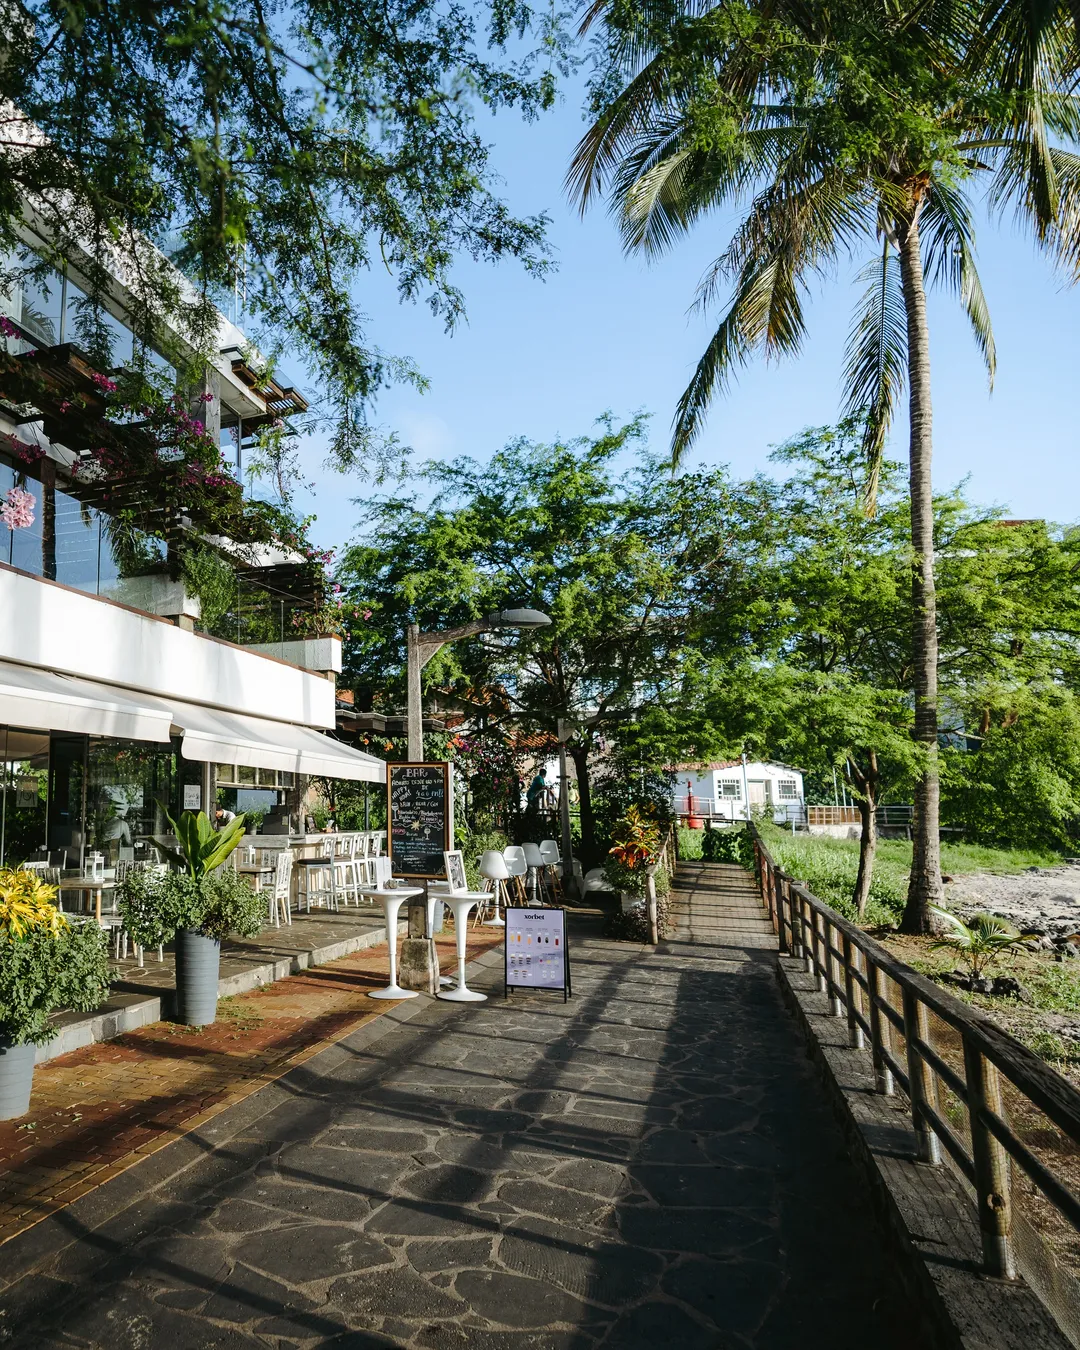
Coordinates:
(281, 890)
(550, 857)
(535, 863)
(518, 869)
(493, 867)
(321, 886)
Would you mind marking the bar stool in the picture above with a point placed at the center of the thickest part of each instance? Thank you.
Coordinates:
(460, 902)
(519, 869)
(551, 857)
(280, 894)
(493, 867)
(535, 863)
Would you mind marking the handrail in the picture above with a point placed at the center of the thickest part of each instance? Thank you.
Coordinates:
(852, 969)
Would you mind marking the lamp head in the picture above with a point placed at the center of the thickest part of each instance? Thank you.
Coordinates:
(518, 618)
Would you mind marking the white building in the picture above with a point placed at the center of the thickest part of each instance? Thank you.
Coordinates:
(115, 703)
(724, 789)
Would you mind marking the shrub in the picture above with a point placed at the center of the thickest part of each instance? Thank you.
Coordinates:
(729, 845)
(156, 905)
(47, 963)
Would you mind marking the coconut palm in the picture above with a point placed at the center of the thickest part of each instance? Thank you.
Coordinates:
(840, 131)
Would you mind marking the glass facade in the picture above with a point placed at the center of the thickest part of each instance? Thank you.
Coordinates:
(63, 796)
(89, 550)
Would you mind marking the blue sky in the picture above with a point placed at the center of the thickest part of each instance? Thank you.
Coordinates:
(544, 358)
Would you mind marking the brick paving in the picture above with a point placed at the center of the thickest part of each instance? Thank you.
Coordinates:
(97, 1111)
(651, 1164)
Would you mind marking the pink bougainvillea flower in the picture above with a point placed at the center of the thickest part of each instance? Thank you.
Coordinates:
(7, 327)
(367, 613)
(106, 385)
(17, 512)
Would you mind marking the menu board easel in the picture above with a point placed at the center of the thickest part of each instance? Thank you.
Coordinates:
(420, 816)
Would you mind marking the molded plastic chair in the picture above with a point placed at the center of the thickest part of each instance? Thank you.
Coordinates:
(519, 869)
(493, 867)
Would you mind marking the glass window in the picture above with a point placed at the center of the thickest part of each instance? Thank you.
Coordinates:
(90, 326)
(129, 787)
(787, 790)
(41, 307)
(24, 763)
(731, 787)
(77, 542)
(267, 778)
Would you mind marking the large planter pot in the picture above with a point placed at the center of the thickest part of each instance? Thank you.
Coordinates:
(16, 1079)
(197, 962)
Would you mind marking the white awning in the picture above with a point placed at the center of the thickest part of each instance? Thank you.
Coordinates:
(255, 742)
(31, 697)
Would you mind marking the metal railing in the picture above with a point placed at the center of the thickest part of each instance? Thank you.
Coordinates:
(966, 1093)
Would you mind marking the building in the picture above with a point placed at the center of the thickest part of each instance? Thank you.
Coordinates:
(118, 700)
(723, 789)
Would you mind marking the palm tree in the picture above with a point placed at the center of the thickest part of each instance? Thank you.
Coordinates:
(839, 129)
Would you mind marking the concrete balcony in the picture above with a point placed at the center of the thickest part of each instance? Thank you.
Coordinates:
(55, 627)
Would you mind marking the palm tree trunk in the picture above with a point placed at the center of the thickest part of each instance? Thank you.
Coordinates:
(924, 886)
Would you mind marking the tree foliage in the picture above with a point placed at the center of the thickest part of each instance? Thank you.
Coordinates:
(275, 151)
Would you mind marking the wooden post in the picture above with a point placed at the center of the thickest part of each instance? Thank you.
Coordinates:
(853, 991)
(992, 1192)
(650, 893)
(782, 934)
(880, 1033)
(920, 1077)
(820, 952)
(807, 932)
(832, 969)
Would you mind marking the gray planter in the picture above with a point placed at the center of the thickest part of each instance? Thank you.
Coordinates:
(197, 962)
(16, 1079)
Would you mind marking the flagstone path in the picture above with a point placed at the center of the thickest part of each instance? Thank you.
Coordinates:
(652, 1164)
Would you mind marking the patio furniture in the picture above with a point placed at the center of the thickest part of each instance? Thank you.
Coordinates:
(460, 902)
(549, 876)
(320, 878)
(518, 869)
(493, 867)
(281, 893)
(535, 862)
(91, 885)
(392, 900)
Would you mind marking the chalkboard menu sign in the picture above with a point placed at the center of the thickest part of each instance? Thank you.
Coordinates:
(420, 810)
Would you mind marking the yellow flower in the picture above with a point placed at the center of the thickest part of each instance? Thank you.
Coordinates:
(27, 902)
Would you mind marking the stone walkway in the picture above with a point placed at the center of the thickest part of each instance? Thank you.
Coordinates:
(651, 1164)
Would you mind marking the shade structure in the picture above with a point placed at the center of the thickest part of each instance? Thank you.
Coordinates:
(31, 697)
(257, 742)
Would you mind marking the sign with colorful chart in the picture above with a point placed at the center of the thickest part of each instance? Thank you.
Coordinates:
(536, 951)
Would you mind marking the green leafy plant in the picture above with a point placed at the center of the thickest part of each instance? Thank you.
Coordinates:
(981, 943)
(47, 963)
(201, 848)
(728, 846)
(155, 906)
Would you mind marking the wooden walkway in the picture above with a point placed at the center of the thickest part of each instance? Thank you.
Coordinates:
(717, 904)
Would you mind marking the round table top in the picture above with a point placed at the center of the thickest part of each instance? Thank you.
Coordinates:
(447, 896)
(403, 891)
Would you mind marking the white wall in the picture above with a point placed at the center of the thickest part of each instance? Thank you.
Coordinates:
(44, 624)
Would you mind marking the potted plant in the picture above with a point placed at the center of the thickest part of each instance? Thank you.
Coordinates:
(46, 963)
(195, 904)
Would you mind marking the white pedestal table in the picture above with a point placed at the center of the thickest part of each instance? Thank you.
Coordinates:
(392, 900)
(460, 904)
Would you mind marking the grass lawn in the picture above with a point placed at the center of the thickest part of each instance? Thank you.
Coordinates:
(828, 866)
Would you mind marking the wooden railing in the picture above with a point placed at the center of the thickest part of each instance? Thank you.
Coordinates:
(972, 1089)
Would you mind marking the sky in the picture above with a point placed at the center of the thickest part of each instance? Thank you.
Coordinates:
(604, 332)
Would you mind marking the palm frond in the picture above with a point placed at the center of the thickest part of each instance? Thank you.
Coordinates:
(948, 234)
(765, 312)
(875, 362)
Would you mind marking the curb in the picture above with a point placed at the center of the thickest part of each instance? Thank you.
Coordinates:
(129, 1009)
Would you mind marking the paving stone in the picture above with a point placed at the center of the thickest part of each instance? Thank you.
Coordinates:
(651, 1164)
(393, 1293)
(311, 1252)
(517, 1301)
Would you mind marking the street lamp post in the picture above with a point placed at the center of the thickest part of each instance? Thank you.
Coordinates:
(421, 647)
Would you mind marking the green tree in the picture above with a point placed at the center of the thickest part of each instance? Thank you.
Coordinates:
(589, 531)
(863, 125)
(277, 151)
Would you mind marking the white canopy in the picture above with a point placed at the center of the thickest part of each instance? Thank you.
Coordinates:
(256, 742)
(30, 697)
